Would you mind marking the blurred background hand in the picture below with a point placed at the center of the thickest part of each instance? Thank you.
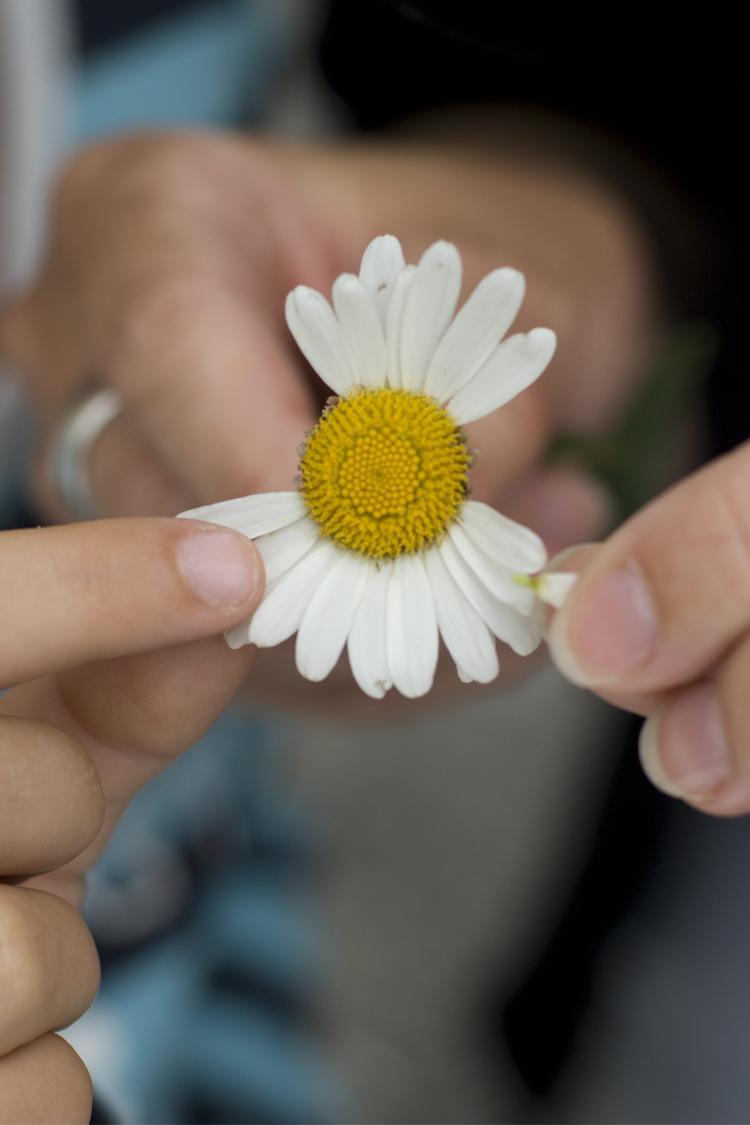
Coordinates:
(170, 257)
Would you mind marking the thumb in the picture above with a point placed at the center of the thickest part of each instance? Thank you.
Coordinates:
(667, 595)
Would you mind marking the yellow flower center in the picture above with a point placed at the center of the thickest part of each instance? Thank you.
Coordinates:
(384, 472)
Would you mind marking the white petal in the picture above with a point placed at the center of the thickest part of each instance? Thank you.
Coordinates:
(360, 324)
(513, 366)
(321, 339)
(429, 308)
(368, 653)
(510, 543)
(382, 262)
(465, 634)
(512, 627)
(412, 628)
(239, 634)
(497, 578)
(328, 618)
(553, 588)
(394, 322)
(282, 549)
(475, 333)
(285, 601)
(252, 515)
(536, 625)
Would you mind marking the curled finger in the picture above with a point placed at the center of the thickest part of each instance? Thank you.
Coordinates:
(44, 1081)
(49, 969)
(697, 743)
(51, 800)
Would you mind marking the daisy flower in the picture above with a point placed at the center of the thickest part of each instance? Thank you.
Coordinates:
(380, 549)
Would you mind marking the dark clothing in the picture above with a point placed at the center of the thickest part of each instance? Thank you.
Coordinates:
(669, 94)
(667, 90)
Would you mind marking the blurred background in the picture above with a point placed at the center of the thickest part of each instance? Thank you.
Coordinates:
(486, 915)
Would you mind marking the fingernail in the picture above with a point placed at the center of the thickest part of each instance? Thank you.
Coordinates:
(579, 554)
(683, 748)
(607, 631)
(220, 567)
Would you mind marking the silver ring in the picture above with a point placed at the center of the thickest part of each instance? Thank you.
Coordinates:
(71, 448)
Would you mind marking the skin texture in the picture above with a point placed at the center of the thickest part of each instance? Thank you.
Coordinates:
(671, 639)
(169, 260)
(110, 675)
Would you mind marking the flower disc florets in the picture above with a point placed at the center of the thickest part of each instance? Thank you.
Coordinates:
(379, 548)
(384, 472)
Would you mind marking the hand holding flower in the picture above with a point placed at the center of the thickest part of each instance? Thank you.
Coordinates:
(659, 623)
(380, 549)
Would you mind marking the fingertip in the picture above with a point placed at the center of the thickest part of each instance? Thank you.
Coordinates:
(648, 752)
(685, 751)
(222, 568)
(608, 629)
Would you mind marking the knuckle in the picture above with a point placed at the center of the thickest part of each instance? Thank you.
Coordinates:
(83, 173)
(156, 166)
(146, 166)
(170, 165)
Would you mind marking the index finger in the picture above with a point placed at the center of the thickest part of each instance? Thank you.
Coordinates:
(89, 591)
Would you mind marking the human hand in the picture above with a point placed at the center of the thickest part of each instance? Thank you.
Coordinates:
(659, 623)
(109, 636)
(171, 255)
(169, 262)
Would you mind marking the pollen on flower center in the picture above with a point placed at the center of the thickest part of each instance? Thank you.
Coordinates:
(384, 472)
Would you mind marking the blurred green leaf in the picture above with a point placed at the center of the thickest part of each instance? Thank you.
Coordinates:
(633, 459)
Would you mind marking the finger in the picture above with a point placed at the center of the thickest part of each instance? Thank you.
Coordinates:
(51, 800)
(193, 339)
(213, 388)
(128, 478)
(132, 715)
(697, 744)
(125, 476)
(82, 592)
(49, 969)
(668, 593)
(575, 560)
(44, 1081)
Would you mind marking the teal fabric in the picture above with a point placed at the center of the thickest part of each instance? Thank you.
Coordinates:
(211, 66)
(212, 959)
